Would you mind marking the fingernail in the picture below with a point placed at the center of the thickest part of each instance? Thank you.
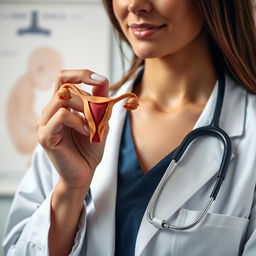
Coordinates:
(86, 129)
(98, 78)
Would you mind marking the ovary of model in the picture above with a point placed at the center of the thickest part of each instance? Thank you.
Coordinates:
(97, 110)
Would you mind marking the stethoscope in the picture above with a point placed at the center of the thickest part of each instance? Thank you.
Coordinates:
(212, 130)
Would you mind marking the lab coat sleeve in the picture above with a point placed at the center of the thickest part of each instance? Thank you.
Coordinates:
(28, 223)
(250, 240)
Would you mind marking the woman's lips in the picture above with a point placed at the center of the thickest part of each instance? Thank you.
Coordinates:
(142, 31)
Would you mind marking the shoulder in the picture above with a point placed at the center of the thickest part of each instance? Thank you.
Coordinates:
(242, 108)
(238, 114)
(250, 103)
(250, 124)
(239, 91)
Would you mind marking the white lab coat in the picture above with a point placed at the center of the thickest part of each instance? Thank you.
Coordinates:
(229, 228)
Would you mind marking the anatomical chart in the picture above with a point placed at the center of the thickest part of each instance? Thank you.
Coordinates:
(37, 41)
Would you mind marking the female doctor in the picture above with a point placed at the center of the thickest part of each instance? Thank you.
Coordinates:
(79, 199)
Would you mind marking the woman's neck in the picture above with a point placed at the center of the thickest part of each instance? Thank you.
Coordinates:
(187, 76)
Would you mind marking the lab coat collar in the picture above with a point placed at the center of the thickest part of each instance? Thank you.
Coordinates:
(189, 175)
(232, 118)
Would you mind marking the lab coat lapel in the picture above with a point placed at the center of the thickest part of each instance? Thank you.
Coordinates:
(199, 163)
(103, 187)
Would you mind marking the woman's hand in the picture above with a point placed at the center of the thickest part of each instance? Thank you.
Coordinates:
(63, 131)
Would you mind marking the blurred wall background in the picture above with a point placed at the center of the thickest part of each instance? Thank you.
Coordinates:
(38, 38)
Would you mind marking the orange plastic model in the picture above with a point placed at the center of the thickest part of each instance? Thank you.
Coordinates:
(97, 109)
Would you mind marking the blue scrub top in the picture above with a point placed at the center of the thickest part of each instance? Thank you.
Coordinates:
(134, 190)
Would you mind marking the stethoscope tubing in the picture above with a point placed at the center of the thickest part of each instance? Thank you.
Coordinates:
(211, 130)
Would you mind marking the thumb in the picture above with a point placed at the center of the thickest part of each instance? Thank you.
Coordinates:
(101, 89)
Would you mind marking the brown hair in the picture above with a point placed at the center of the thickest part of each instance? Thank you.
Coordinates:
(232, 36)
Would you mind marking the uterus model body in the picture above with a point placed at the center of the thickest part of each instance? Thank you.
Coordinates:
(97, 109)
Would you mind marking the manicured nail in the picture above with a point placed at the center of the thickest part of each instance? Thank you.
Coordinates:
(86, 129)
(97, 77)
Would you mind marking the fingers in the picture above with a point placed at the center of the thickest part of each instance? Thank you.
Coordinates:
(78, 76)
(65, 118)
(55, 104)
(102, 90)
(52, 133)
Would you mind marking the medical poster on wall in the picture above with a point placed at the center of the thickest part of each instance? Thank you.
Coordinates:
(37, 40)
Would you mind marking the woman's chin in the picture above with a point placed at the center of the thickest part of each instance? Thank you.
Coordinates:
(149, 52)
(146, 55)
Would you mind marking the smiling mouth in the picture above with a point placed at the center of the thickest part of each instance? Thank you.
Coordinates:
(143, 31)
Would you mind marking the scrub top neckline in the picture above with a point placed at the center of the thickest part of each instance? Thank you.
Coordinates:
(155, 167)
